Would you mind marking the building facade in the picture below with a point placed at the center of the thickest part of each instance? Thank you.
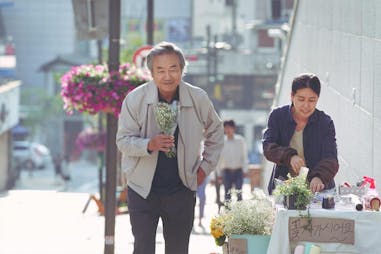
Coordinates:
(9, 117)
(239, 59)
(340, 42)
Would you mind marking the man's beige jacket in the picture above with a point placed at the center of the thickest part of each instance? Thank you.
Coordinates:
(200, 141)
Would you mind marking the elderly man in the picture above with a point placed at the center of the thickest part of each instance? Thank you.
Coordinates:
(161, 186)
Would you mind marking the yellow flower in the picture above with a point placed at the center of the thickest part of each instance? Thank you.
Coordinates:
(217, 229)
(217, 233)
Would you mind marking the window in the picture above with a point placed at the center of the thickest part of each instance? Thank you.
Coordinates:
(264, 40)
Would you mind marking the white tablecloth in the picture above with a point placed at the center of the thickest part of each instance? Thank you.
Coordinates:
(367, 232)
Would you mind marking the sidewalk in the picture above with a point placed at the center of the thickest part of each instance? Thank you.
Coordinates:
(42, 216)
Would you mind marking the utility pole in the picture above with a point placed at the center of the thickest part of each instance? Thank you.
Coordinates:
(150, 21)
(100, 130)
(112, 122)
(208, 56)
(234, 24)
(215, 60)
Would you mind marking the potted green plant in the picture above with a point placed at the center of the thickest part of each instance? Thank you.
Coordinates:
(251, 219)
(295, 192)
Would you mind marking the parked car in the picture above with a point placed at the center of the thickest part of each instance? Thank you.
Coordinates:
(31, 155)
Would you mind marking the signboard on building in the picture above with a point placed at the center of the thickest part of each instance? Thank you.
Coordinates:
(9, 105)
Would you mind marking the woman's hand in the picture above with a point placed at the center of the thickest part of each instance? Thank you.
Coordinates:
(297, 163)
(316, 185)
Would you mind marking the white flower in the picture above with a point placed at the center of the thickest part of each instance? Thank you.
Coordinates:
(253, 216)
(166, 119)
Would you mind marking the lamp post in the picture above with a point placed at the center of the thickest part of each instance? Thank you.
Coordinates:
(150, 21)
(111, 151)
(212, 77)
(212, 57)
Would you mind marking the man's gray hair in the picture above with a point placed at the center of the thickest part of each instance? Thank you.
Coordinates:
(165, 47)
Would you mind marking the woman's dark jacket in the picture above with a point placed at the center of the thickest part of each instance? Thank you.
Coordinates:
(319, 142)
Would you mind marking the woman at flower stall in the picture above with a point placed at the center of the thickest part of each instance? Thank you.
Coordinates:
(163, 169)
(299, 135)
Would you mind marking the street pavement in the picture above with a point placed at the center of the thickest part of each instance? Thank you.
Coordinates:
(43, 215)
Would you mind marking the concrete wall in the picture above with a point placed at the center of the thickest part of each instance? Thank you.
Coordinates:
(340, 41)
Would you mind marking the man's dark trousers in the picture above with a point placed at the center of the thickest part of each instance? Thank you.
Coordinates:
(176, 212)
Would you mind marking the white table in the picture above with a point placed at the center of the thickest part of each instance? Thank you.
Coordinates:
(367, 232)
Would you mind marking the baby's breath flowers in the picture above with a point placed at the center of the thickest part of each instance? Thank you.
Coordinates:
(166, 119)
(253, 216)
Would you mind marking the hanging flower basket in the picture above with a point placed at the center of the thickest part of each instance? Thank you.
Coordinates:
(91, 140)
(92, 89)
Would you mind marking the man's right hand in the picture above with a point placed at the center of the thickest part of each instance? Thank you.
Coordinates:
(297, 163)
(161, 142)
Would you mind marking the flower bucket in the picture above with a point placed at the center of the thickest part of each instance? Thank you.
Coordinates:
(290, 203)
(225, 248)
(255, 244)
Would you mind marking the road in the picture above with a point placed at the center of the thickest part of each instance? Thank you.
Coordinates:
(42, 215)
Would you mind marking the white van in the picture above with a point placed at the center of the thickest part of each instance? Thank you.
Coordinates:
(31, 155)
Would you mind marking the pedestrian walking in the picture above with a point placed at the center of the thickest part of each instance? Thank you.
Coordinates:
(65, 171)
(57, 162)
(163, 170)
(217, 184)
(233, 160)
(201, 201)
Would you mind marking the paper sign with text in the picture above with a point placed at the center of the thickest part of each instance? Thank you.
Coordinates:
(325, 230)
(237, 246)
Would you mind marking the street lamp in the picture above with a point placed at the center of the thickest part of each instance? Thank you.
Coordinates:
(112, 122)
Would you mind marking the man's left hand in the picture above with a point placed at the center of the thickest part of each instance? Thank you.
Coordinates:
(200, 176)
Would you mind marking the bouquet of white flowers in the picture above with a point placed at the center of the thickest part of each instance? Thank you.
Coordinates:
(253, 216)
(166, 119)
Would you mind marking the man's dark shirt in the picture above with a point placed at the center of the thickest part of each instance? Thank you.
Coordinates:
(166, 180)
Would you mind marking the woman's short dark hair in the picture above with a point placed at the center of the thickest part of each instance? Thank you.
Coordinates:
(229, 123)
(165, 48)
(306, 80)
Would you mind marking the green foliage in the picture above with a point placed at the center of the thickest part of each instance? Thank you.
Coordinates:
(127, 51)
(295, 186)
(39, 107)
(220, 240)
(308, 220)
